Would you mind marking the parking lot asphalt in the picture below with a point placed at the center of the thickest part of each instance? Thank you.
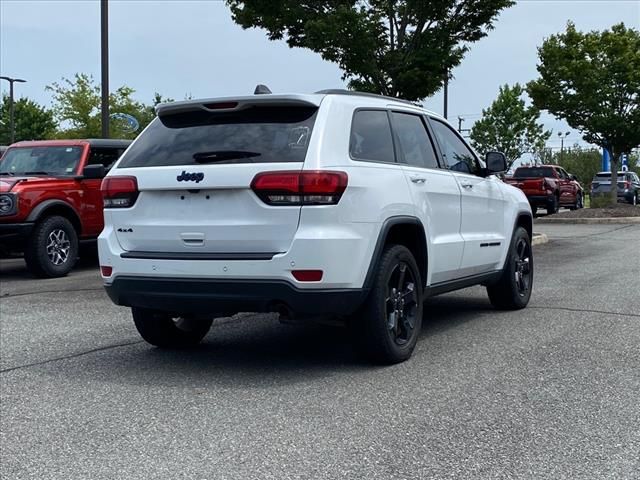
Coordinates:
(546, 392)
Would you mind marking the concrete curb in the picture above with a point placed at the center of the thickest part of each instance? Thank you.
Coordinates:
(591, 221)
(539, 239)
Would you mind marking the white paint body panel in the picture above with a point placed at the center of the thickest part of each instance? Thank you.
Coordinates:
(338, 239)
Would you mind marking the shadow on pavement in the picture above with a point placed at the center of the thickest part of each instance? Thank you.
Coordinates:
(258, 351)
(15, 269)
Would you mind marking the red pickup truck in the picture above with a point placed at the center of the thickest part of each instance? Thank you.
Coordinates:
(50, 199)
(548, 186)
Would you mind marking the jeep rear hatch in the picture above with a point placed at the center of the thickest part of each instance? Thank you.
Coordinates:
(194, 167)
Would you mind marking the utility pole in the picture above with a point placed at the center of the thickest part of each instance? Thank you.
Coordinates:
(460, 129)
(104, 62)
(12, 126)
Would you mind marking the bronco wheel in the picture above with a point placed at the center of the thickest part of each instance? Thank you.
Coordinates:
(513, 290)
(167, 330)
(387, 327)
(52, 250)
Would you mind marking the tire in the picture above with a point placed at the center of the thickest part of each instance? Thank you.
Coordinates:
(167, 330)
(579, 203)
(553, 205)
(513, 290)
(52, 249)
(634, 200)
(386, 328)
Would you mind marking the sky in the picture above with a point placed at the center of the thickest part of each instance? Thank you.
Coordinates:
(180, 48)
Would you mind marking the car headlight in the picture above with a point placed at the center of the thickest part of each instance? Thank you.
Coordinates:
(8, 204)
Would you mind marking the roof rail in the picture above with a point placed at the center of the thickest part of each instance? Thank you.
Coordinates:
(341, 91)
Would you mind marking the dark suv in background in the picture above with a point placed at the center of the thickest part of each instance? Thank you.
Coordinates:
(628, 186)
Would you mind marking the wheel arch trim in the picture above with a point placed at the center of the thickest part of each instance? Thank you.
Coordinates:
(41, 209)
(383, 234)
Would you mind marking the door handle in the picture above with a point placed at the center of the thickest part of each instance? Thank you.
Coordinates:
(467, 185)
(418, 179)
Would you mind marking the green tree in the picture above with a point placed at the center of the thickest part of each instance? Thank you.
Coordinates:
(400, 48)
(634, 162)
(584, 163)
(77, 101)
(31, 120)
(592, 80)
(509, 126)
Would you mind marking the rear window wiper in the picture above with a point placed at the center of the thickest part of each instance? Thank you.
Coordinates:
(223, 155)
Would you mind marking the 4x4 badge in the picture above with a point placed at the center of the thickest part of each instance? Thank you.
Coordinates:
(190, 177)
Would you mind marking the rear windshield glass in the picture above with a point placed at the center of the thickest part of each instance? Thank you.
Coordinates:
(254, 135)
(607, 176)
(53, 160)
(535, 172)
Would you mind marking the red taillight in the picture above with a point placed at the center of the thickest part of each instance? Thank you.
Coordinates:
(627, 184)
(300, 188)
(106, 270)
(307, 275)
(119, 192)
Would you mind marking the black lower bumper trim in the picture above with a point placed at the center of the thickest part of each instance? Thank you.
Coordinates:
(231, 296)
(13, 233)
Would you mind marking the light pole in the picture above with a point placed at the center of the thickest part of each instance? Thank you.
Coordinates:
(562, 137)
(12, 127)
(446, 94)
(104, 65)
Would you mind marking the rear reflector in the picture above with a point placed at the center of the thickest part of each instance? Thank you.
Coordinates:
(119, 192)
(106, 271)
(307, 275)
(300, 188)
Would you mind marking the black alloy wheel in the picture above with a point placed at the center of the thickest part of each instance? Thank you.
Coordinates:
(402, 304)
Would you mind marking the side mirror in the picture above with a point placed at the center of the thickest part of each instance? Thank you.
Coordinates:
(91, 172)
(496, 163)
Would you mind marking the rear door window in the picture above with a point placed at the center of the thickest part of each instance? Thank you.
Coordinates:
(252, 135)
(415, 144)
(534, 172)
(105, 156)
(371, 137)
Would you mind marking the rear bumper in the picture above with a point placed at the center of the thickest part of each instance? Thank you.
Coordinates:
(622, 195)
(540, 200)
(226, 297)
(13, 234)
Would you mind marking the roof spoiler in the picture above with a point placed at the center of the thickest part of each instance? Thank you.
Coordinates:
(231, 104)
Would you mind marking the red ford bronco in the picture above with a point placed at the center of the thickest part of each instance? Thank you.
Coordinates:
(50, 199)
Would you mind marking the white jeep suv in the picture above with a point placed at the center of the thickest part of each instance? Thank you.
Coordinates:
(334, 205)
